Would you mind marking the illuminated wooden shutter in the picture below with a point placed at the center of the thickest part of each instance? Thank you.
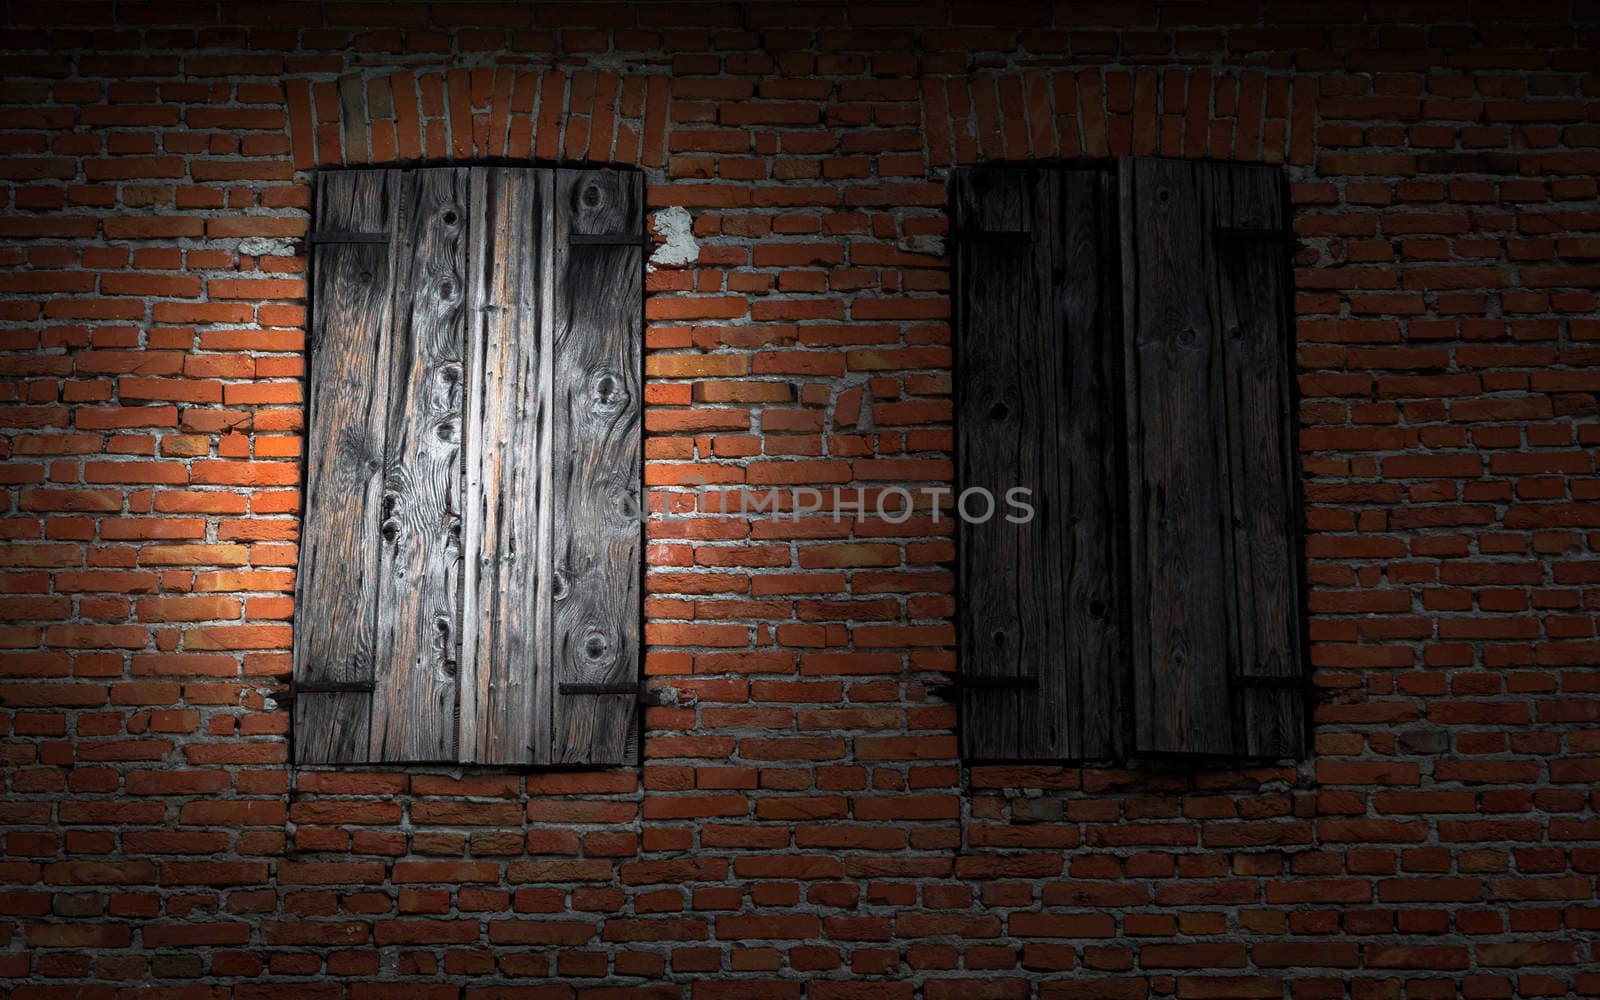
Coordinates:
(469, 567)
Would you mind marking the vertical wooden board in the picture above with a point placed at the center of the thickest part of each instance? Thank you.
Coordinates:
(1014, 372)
(1089, 434)
(1039, 579)
(596, 468)
(995, 287)
(1179, 538)
(1252, 300)
(415, 700)
(505, 677)
(336, 586)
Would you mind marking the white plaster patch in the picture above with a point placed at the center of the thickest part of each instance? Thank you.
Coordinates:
(677, 226)
(262, 246)
(932, 245)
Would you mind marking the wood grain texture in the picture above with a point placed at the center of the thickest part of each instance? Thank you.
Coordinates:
(999, 323)
(506, 692)
(1180, 537)
(414, 703)
(441, 435)
(336, 586)
(1036, 329)
(1252, 301)
(595, 475)
(1090, 434)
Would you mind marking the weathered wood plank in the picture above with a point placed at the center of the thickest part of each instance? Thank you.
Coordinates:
(1037, 409)
(1177, 460)
(595, 474)
(1019, 319)
(1042, 545)
(506, 675)
(1089, 436)
(414, 704)
(1252, 302)
(998, 321)
(336, 587)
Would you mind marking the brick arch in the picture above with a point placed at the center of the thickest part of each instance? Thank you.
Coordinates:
(599, 115)
(579, 115)
(1236, 114)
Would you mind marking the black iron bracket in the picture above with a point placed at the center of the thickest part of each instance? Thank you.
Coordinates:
(640, 693)
(610, 240)
(324, 687)
(1008, 683)
(1284, 683)
(991, 236)
(1248, 233)
(345, 236)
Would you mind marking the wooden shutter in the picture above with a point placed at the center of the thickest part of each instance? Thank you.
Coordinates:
(1213, 509)
(347, 402)
(1039, 625)
(505, 697)
(444, 479)
(595, 484)
(1152, 606)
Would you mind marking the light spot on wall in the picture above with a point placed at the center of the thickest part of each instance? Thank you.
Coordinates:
(264, 246)
(678, 227)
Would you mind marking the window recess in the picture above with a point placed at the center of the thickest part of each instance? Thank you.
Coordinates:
(1124, 351)
(468, 587)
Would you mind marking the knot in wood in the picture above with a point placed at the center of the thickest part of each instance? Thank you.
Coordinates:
(626, 502)
(441, 636)
(596, 647)
(355, 450)
(607, 392)
(622, 500)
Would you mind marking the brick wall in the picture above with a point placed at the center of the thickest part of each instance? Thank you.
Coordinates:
(801, 825)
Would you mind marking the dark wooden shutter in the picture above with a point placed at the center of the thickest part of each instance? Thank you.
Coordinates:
(1213, 510)
(1152, 607)
(1040, 641)
(457, 499)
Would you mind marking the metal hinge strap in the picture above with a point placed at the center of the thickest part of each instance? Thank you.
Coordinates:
(609, 240)
(569, 688)
(1288, 683)
(991, 236)
(1001, 683)
(324, 687)
(1248, 233)
(344, 236)
(639, 692)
